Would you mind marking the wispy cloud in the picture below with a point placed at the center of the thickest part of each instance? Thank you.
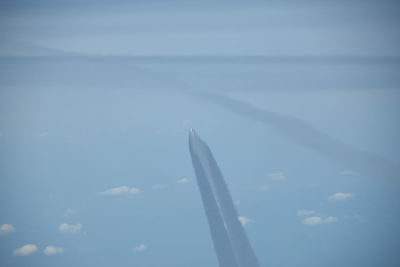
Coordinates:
(316, 220)
(120, 191)
(70, 228)
(278, 176)
(244, 220)
(140, 248)
(52, 250)
(25, 250)
(183, 181)
(6, 228)
(263, 188)
(341, 196)
(70, 213)
(302, 213)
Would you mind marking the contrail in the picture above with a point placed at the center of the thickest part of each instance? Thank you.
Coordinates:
(305, 134)
(230, 240)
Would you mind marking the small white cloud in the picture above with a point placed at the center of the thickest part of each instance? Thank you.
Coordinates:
(70, 212)
(348, 172)
(244, 220)
(25, 250)
(315, 220)
(302, 213)
(236, 202)
(70, 228)
(183, 181)
(278, 176)
(140, 248)
(52, 250)
(120, 191)
(264, 188)
(134, 190)
(158, 186)
(341, 196)
(6, 228)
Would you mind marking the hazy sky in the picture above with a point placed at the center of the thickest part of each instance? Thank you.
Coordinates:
(205, 27)
(94, 162)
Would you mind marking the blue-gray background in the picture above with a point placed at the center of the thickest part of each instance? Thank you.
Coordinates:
(81, 112)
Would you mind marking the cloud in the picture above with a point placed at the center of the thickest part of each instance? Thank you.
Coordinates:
(70, 212)
(6, 228)
(120, 191)
(140, 248)
(183, 181)
(278, 176)
(25, 250)
(302, 213)
(264, 188)
(134, 190)
(52, 250)
(315, 220)
(70, 228)
(244, 220)
(341, 196)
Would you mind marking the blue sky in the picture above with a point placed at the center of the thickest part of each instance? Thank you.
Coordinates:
(94, 161)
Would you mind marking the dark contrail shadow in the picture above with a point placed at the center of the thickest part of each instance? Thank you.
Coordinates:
(230, 240)
(305, 134)
(220, 236)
